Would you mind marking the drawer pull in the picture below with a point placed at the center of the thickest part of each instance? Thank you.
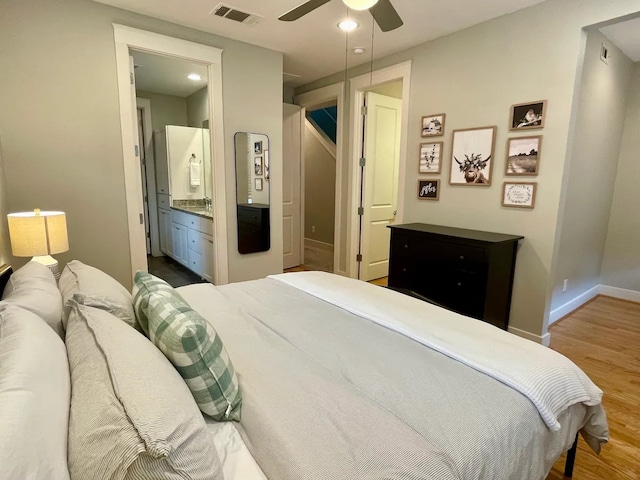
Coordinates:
(404, 269)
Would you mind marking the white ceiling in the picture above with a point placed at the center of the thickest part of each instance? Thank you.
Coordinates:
(626, 36)
(158, 74)
(313, 46)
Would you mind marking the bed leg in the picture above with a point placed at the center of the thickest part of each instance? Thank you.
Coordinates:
(571, 459)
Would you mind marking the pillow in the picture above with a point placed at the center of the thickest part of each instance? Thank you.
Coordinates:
(192, 345)
(132, 416)
(33, 287)
(143, 284)
(34, 398)
(92, 287)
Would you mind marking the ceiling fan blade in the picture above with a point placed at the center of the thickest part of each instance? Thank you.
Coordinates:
(386, 16)
(302, 10)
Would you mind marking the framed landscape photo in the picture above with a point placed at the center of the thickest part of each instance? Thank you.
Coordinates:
(528, 116)
(258, 184)
(519, 194)
(433, 125)
(428, 189)
(430, 157)
(523, 155)
(472, 156)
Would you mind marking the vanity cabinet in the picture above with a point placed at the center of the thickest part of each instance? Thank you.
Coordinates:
(180, 248)
(467, 271)
(192, 242)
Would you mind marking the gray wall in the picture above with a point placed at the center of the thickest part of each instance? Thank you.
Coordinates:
(198, 108)
(62, 142)
(621, 265)
(591, 169)
(319, 189)
(166, 109)
(474, 76)
(5, 244)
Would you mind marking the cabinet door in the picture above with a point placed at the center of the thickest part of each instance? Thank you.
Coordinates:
(180, 247)
(166, 240)
(206, 249)
(195, 262)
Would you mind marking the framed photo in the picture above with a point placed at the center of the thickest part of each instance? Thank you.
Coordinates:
(430, 157)
(258, 184)
(257, 165)
(520, 195)
(257, 147)
(428, 189)
(433, 125)
(472, 156)
(523, 155)
(527, 116)
(266, 164)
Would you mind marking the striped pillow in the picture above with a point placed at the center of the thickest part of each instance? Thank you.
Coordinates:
(143, 285)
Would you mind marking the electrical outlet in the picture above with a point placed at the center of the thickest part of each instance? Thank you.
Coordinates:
(313, 229)
(564, 285)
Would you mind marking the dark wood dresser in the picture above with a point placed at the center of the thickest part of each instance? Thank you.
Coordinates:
(467, 271)
(254, 233)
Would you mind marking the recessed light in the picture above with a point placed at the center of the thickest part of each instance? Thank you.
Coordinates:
(348, 25)
(358, 50)
(193, 76)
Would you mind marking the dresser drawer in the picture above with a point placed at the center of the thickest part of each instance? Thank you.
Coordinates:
(195, 262)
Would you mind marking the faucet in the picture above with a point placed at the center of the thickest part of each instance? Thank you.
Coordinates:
(207, 203)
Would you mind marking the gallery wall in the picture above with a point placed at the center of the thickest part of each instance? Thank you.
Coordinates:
(590, 171)
(68, 156)
(474, 76)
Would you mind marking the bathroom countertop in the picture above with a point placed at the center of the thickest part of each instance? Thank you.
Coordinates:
(200, 211)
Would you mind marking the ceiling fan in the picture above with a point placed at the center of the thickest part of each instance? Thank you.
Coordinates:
(382, 11)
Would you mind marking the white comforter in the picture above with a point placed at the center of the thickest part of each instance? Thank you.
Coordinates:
(551, 381)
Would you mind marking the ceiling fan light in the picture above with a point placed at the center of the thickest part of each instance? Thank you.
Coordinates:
(360, 4)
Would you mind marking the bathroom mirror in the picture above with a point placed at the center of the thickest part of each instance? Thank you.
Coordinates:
(252, 192)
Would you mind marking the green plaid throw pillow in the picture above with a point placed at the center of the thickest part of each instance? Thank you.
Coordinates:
(191, 344)
(144, 284)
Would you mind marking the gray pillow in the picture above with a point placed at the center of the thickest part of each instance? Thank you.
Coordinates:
(132, 416)
(92, 287)
(34, 398)
(33, 287)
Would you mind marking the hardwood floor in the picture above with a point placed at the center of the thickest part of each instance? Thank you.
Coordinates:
(603, 338)
(172, 272)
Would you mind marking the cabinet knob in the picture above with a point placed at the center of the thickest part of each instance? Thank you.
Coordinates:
(406, 246)
(404, 269)
(461, 257)
(459, 284)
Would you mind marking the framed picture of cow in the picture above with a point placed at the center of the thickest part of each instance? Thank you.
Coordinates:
(472, 156)
(430, 157)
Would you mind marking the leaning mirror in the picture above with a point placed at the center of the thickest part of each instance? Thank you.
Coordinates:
(252, 187)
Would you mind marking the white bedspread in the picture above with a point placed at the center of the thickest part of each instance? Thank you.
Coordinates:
(551, 381)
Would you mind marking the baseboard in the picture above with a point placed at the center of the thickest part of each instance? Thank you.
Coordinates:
(557, 313)
(544, 339)
(319, 244)
(621, 293)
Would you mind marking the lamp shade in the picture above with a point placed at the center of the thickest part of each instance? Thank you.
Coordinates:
(38, 233)
(360, 4)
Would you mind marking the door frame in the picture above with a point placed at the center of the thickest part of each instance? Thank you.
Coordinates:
(308, 100)
(150, 163)
(126, 38)
(358, 86)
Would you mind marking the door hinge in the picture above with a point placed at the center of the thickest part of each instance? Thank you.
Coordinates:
(131, 77)
(148, 234)
(364, 110)
(363, 162)
(360, 211)
(359, 257)
(137, 150)
(146, 199)
(141, 219)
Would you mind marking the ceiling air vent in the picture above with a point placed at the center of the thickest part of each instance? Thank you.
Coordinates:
(232, 13)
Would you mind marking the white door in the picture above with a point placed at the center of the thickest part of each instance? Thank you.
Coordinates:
(380, 197)
(143, 172)
(292, 131)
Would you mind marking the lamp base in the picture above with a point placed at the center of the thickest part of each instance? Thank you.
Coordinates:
(49, 262)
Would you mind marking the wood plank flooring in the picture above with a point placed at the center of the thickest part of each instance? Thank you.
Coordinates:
(603, 338)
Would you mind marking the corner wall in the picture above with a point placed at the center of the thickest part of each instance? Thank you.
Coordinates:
(5, 244)
(621, 264)
(474, 76)
(591, 170)
(62, 140)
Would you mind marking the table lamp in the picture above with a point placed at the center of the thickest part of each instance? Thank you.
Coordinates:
(39, 235)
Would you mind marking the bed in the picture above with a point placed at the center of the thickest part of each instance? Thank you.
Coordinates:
(341, 379)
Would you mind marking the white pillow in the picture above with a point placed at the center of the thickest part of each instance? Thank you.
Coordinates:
(33, 287)
(92, 287)
(34, 398)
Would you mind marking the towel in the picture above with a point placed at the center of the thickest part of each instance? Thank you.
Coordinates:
(194, 174)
